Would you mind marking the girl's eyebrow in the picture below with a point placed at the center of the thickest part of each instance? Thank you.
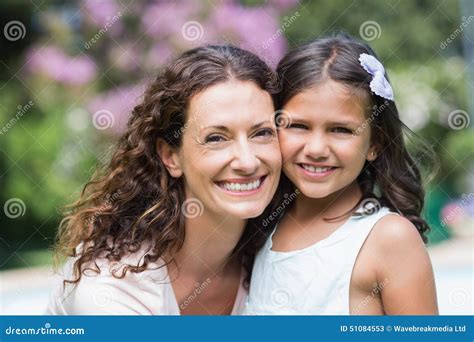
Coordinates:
(339, 122)
(345, 123)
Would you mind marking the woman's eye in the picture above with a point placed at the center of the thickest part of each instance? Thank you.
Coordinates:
(214, 138)
(297, 126)
(265, 132)
(342, 130)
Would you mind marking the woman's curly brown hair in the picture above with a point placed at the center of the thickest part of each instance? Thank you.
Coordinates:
(133, 202)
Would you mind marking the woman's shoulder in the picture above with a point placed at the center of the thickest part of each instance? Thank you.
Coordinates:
(103, 290)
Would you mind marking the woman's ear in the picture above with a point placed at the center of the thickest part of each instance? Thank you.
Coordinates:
(169, 157)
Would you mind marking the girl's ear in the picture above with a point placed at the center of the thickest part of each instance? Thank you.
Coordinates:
(170, 158)
(372, 153)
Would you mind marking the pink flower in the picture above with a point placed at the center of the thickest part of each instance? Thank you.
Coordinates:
(255, 29)
(167, 17)
(119, 102)
(104, 13)
(158, 55)
(55, 64)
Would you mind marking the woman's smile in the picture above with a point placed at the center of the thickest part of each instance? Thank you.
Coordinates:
(242, 186)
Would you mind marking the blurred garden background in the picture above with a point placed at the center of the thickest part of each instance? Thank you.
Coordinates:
(70, 72)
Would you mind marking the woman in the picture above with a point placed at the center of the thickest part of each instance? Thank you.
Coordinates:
(167, 226)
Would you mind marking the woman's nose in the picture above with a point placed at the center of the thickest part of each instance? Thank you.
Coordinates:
(245, 159)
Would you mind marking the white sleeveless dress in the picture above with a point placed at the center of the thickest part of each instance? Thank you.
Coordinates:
(311, 281)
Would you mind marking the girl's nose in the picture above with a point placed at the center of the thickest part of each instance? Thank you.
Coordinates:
(317, 147)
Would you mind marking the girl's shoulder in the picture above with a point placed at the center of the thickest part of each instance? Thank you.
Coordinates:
(393, 239)
(393, 229)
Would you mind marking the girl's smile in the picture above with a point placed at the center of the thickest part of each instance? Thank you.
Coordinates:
(321, 151)
(317, 171)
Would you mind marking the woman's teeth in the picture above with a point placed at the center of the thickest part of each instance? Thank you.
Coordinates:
(316, 169)
(241, 186)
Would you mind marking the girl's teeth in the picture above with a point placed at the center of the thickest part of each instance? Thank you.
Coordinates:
(242, 187)
(316, 169)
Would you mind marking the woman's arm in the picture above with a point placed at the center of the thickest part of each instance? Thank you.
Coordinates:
(405, 268)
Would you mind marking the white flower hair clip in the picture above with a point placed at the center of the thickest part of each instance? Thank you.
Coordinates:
(379, 84)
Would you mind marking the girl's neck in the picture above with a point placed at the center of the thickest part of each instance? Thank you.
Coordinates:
(208, 245)
(333, 205)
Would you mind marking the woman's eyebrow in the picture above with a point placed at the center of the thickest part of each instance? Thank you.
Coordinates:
(225, 128)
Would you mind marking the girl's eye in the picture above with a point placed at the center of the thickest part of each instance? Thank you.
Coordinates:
(214, 138)
(265, 132)
(342, 130)
(297, 126)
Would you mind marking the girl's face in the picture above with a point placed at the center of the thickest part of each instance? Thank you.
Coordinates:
(230, 157)
(324, 147)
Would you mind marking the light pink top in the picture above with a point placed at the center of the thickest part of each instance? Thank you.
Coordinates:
(145, 293)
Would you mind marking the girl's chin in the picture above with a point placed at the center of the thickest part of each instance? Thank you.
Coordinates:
(315, 192)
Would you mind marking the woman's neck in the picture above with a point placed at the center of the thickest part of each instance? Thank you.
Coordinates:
(333, 205)
(208, 245)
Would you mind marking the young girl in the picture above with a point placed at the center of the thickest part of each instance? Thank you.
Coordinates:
(351, 237)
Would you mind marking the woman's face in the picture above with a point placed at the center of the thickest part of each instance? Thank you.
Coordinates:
(230, 157)
(324, 148)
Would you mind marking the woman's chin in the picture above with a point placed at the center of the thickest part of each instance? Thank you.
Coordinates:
(245, 212)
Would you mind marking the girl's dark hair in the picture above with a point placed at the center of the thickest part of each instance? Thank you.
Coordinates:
(394, 178)
(133, 202)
